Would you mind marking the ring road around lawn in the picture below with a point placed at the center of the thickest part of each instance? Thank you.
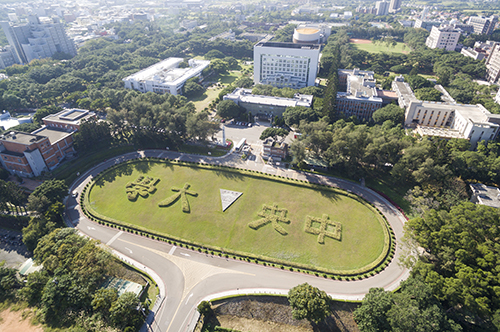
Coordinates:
(244, 214)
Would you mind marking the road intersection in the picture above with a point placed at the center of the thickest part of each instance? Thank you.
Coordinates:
(186, 277)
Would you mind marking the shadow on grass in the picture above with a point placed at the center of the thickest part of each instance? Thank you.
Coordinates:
(110, 176)
(230, 175)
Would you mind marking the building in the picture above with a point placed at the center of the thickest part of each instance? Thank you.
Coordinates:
(485, 195)
(382, 7)
(165, 76)
(36, 40)
(42, 150)
(266, 106)
(361, 97)
(286, 64)
(446, 119)
(493, 65)
(394, 6)
(476, 54)
(443, 37)
(427, 24)
(6, 58)
(6, 121)
(275, 150)
(483, 25)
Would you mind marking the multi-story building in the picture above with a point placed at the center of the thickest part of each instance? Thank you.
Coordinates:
(286, 64)
(276, 150)
(165, 76)
(493, 65)
(427, 24)
(447, 120)
(6, 58)
(362, 98)
(266, 106)
(382, 7)
(476, 54)
(36, 40)
(394, 6)
(483, 25)
(443, 37)
(31, 154)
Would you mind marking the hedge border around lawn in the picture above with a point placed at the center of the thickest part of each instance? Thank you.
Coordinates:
(369, 270)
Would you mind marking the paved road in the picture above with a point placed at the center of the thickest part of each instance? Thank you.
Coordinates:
(186, 277)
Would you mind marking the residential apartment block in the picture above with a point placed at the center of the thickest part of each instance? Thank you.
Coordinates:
(42, 150)
(443, 37)
(493, 65)
(483, 25)
(266, 106)
(286, 64)
(37, 40)
(165, 76)
(394, 6)
(447, 120)
(382, 7)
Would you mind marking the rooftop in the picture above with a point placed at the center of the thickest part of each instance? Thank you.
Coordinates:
(54, 135)
(21, 138)
(289, 45)
(438, 131)
(167, 71)
(485, 195)
(246, 96)
(70, 116)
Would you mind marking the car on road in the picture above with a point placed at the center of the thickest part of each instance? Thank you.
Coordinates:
(74, 194)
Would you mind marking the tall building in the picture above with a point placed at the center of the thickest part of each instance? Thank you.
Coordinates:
(394, 6)
(483, 25)
(165, 76)
(445, 37)
(36, 40)
(493, 65)
(382, 7)
(286, 64)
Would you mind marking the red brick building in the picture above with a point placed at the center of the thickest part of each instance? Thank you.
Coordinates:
(31, 154)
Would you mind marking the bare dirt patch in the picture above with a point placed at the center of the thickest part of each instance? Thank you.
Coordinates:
(360, 41)
(273, 314)
(13, 321)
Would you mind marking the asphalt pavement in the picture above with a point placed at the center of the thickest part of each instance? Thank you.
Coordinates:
(187, 277)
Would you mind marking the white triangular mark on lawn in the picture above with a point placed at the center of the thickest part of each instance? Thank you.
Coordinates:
(228, 197)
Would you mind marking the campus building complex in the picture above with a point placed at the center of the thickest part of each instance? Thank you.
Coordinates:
(36, 40)
(483, 25)
(286, 64)
(362, 98)
(31, 154)
(445, 37)
(266, 106)
(447, 120)
(165, 76)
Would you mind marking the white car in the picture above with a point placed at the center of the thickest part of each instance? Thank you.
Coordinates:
(74, 194)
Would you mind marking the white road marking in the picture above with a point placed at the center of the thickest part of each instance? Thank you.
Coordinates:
(114, 238)
(90, 228)
(187, 255)
(189, 298)
(71, 207)
(128, 249)
(171, 252)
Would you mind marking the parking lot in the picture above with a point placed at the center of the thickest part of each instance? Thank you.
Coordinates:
(12, 249)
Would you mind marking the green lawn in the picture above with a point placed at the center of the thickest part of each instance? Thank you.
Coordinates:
(363, 232)
(380, 48)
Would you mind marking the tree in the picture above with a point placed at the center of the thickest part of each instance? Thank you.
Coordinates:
(124, 312)
(228, 109)
(273, 132)
(198, 126)
(192, 89)
(390, 112)
(214, 54)
(309, 303)
(293, 115)
(204, 308)
(428, 94)
(103, 300)
(244, 82)
(54, 190)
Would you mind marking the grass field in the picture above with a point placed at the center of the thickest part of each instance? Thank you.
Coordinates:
(381, 48)
(362, 239)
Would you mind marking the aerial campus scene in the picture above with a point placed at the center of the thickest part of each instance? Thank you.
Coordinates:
(250, 166)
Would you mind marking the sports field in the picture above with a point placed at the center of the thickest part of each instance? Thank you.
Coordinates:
(361, 232)
(368, 46)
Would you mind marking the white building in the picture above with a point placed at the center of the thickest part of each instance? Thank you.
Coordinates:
(394, 6)
(493, 65)
(476, 54)
(447, 120)
(443, 37)
(165, 76)
(37, 40)
(382, 7)
(286, 64)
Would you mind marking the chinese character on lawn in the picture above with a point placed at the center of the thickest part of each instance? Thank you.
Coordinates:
(273, 215)
(327, 227)
(182, 193)
(143, 186)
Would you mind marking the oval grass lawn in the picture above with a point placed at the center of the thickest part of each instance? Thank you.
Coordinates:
(362, 229)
